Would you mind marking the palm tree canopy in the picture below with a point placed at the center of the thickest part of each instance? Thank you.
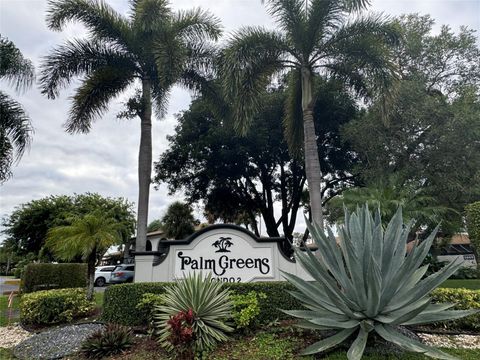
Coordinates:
(15, 125)
(317, 37)
(153, 43)
(91, 233)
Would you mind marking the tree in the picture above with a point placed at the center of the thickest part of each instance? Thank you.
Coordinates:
(178, 221)
(151, 50)
(429, 136)
(473, 226)
(15, 124)
(315, 39)
(27, 226)
(90, 237)
(155, 225)
(239, 178)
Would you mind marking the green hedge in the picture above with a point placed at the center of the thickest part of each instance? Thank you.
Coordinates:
(43, 276)
(120, 302)
(54, 306)
(464, 299)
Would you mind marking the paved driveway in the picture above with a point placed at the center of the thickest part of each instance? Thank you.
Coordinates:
(6, 288)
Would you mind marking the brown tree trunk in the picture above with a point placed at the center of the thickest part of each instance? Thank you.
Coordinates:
(91, 262)
(144, 166)
(312, 161)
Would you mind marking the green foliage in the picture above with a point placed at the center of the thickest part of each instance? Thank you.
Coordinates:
(368, 283)
(20, 266)
(246, 309)
(147, 305)
(54, 306)
(473, 225)
(15, 125)
(208, 300)
(155, 225)
(114, 339)
(27, 226)
(178, 222)
(53, 276)
(466, 272)
(463, 299)
(118, 300)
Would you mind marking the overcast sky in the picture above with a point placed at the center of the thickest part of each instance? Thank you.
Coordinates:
(105, 160)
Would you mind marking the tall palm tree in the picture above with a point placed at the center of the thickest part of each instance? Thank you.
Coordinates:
(315, 39)
(15, 124)
(90, 237)
(150, 50)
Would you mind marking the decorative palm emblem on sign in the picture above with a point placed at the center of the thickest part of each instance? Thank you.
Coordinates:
(223, 244)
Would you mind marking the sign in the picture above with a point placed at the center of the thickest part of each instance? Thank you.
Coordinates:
(228, 257)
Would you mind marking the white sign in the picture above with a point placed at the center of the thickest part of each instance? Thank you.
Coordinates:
(228, 257)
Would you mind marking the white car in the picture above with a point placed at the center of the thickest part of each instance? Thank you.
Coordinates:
(103, 274)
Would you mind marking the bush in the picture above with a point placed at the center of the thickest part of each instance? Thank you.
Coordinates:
(113, 340)
(465, 273)
(120, 300)
(54, 306)
(463, 299)
(53, 276)
(246, 309)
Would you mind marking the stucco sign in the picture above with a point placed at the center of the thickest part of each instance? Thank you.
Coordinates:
(229, 257)
(230, 253)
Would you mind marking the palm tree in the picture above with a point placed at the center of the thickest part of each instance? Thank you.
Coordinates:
(315, 39)
(90, 237)
(15, 125)
(151, 50)
(178, 222)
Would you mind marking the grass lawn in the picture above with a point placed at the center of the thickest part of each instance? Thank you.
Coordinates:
(4, 311)
(6, 354)
(99, 299)
(472, 284)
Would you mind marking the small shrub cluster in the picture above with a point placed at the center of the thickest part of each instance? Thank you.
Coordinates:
(113, 340)
(38, 277)
(54, 306)
(463, 299)
(246, 309)
(182, 336)
(466, 273)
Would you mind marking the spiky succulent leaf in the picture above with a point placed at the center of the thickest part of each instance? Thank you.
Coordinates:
(210, 304)
(367, 281)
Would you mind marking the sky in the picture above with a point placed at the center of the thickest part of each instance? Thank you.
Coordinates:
(105, 160)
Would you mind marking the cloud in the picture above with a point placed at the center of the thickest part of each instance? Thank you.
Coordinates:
(105, 160)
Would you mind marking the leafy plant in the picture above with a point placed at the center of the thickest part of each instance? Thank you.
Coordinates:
(368, 283)
(54, 306)
(246, 308)
(210, 305)
(473, 225)
(114, 339)
(465, 272)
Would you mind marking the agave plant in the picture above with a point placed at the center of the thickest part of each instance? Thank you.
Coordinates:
(206, 300)
(367, 282)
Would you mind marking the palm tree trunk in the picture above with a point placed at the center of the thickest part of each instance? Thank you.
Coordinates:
(312, 162)
(144, 166)
(91, 262)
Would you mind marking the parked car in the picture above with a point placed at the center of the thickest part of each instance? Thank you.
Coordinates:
(123, 273)
(103, 274)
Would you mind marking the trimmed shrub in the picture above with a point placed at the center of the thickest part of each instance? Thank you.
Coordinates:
(246, 309)
(54, 306)
(120, 301)
(44, 276)
(463, 299)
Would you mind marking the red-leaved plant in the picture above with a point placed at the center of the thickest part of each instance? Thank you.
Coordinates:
(182, 335)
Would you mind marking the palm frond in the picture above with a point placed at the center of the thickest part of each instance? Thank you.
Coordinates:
(150, 15)
(98, 17)
(15, 126)
(80, 57)
(293, 120)
(355, 5)
(14, 67)
(253, 56)
(291, 16)
(197, 25)
(92, 97)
